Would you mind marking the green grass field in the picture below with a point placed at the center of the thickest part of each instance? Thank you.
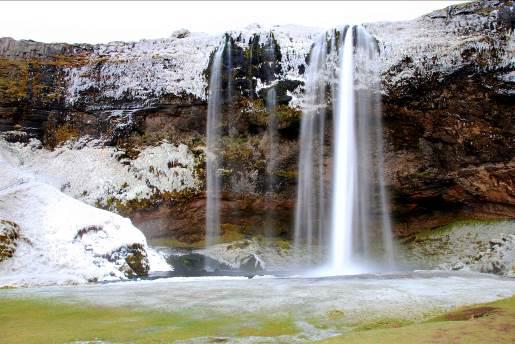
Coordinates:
(37, 321)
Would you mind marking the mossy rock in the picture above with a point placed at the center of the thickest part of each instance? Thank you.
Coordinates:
(135, 258)
(9, 234)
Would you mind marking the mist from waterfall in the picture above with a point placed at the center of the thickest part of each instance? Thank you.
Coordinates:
(213, 147)
(342, 224)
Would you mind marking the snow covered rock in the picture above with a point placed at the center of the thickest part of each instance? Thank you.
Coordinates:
(471, 36)
(487, 247)
(101, 176)
(257, 255)
(499, 258)
(66, 241)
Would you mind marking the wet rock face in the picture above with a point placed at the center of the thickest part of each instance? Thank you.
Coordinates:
(448, 115)
(450, 151)
(9, 234)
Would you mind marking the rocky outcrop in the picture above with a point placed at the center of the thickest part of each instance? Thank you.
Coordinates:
(448, 84)
(449, 96)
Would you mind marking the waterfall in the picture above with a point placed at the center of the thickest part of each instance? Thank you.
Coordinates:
(344, 161)
(213, 158)
(356, 232)
(311, 191)
(232, 130)
(271, 136)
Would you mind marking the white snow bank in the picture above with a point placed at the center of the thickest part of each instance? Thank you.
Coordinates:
(63, 241)
(96, 174)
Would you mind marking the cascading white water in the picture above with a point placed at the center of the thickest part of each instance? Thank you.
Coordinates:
(344, 174)
(272, 140)
(370, 246)
(271, 136)
(356, 233)
(311, 203)
(213, 158)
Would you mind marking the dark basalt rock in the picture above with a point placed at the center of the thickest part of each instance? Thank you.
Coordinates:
(195, 263)
(15, 136)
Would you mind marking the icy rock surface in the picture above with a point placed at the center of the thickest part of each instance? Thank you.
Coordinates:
(256, 255)
(98, 175)
(433, 46)
(481, 247)
(444, 42)
(65, 241)
(499, 258)
(145, 70)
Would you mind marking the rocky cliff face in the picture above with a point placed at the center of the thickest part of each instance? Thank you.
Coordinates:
(448, 83)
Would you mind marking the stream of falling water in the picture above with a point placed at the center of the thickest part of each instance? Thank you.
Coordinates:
(272, 138)
(311, 203)
(355, 235)
(213, 158)
(344, 161)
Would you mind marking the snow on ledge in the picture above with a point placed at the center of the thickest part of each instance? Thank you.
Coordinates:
(96, 174)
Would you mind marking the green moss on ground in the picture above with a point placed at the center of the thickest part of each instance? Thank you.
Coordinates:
(39, 321)
(35, 321)
(485, 323)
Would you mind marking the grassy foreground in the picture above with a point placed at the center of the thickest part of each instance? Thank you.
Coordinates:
(37, 321)
(486, 323)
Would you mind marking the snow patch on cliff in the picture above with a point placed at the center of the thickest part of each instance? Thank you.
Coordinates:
(62, 240)
(295, 42)
(145, 69)
(97, 175)
(440, 44)
(437, 44)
